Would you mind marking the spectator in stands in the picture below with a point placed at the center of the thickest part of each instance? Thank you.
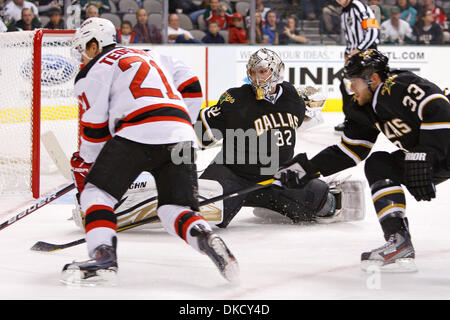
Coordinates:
(408, 13)
(91, 12)
(28, 22)
(44, 6)
(175, 34)
(219, 12)
(416, 5)
(237, 32)
(182, 6)
(312, 9)
(148, 33)
(259, 7)
(213, 35)
(384, 13)
(259, 33)
(331, 16)
(270, 27)
(56, 21)
(426, 30)
(439, 17)
(290, 33)
(125, 34)
(396, 30)
(13, 10)
(194, 15)
(101, 5)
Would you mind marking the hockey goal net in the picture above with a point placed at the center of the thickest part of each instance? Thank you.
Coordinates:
(37, 75)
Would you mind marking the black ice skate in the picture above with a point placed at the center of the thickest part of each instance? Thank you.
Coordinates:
(213, 246)
(397, 255)
(102, 269)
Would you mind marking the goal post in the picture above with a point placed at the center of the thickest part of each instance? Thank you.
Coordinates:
(37, 73)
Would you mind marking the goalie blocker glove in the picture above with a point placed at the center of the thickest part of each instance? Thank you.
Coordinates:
(297, 172)
(79, 170)
(418, 175)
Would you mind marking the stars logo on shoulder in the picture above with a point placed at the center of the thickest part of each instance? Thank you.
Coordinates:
(388, 84)
(226, 97)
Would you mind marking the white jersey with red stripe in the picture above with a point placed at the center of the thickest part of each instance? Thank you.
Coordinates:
(133, 94)
(187, 84)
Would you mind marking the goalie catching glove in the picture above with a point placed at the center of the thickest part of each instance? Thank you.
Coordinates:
(418, 175)
(79, 170)
(314, 102)
(297, 172)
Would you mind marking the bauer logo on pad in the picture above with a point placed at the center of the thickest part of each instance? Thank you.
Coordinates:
(56, 69)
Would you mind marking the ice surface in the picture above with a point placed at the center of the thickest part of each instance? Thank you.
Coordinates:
(277, 261)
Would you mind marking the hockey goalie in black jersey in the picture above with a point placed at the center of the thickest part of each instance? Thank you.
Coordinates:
(258, 124)
(414, 114)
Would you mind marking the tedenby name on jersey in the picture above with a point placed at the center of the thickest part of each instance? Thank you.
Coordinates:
(118, 53)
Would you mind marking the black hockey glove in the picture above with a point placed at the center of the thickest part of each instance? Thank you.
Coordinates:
(297, 172)
(418, 175)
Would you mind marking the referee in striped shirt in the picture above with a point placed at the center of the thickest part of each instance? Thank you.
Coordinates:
(361, 30)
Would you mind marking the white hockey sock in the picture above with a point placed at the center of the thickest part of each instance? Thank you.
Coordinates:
(101, 228)
(178, 221)
(98, 236)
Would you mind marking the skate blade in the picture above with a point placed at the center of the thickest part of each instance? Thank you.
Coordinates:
(231, 268)
(403, 265)
(75, 277)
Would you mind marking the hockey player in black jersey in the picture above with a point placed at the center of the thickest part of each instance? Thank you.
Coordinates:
(258, 123)
(414, 114)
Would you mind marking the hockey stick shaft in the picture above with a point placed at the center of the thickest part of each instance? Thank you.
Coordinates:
(37, 205)
(48, 247)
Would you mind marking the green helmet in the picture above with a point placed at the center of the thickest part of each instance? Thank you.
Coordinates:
(363, 64)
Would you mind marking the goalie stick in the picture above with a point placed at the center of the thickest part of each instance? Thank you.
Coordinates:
(49, 247)
(38, 204)
(57, 154)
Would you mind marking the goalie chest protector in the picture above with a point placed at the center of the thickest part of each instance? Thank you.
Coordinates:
(257, 133)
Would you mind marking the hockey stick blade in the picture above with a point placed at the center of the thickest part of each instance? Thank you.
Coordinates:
(50, 247)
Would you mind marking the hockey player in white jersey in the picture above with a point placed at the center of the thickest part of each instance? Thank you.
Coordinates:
(133, 120)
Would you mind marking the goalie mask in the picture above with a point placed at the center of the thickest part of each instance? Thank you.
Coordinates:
(99, 29)
(264, 70)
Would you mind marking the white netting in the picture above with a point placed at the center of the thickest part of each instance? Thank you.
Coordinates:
(59, 111)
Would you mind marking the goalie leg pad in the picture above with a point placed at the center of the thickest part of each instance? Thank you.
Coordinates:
(350, 201)
(141, 202)
(228, 182)
(296, 204)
